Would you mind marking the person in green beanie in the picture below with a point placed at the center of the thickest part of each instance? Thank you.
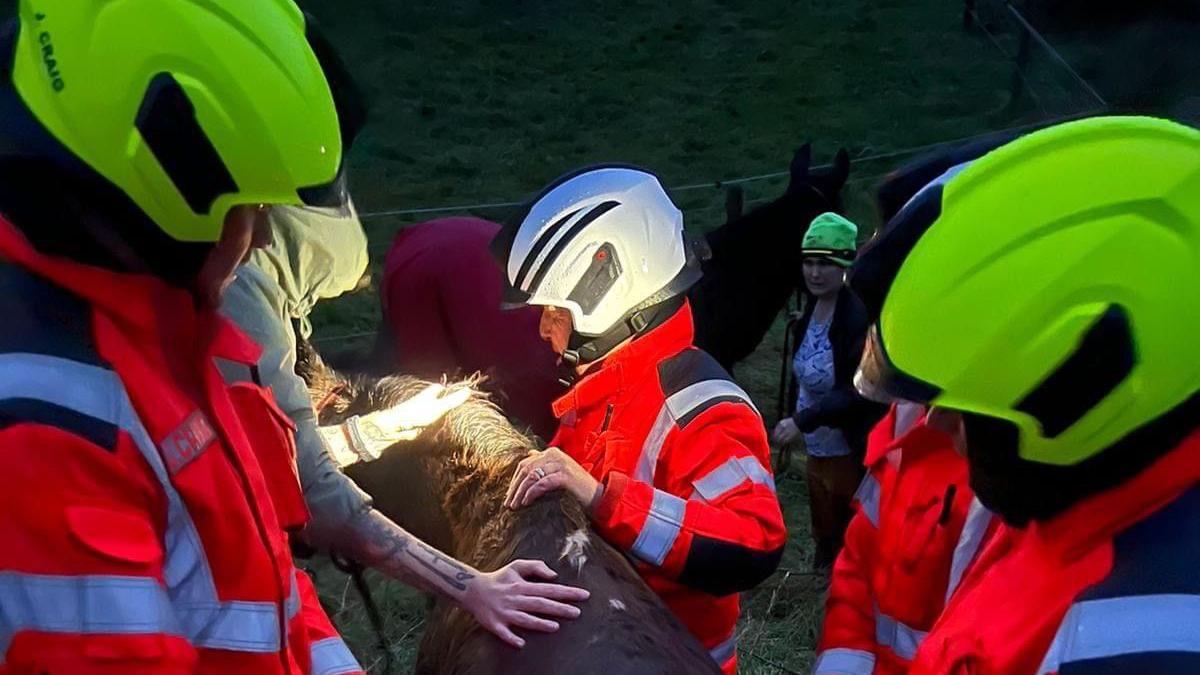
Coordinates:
(830, 415)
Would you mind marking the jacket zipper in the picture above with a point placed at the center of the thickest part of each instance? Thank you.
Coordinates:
(607, 418)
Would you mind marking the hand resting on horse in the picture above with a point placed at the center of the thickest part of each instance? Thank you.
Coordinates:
(549, 470)
(364, 438)
(517, 596)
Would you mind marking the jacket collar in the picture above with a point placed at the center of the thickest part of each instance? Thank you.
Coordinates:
(1096, 518)
(630, 363)
(917, 440)
(143, 304)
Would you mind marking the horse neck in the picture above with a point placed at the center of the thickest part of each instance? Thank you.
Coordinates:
(473, 495)
(406, 484)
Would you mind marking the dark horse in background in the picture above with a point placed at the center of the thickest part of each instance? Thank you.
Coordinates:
(753, 267)
(755, 263)
(448, 486)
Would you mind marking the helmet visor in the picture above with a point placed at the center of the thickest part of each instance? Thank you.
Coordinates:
(879, 380)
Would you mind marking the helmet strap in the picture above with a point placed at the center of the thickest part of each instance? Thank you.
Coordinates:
(584, 349)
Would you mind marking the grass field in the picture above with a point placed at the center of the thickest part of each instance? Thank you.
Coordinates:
(477, 101)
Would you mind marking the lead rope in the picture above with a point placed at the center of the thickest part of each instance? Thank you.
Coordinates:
(784, 459)
(355, 571)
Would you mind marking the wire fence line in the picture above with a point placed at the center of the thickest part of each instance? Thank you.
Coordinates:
(719, 183)
(1055, 54)
(385, 244)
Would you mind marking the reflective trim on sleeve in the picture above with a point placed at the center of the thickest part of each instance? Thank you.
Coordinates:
(868, 496)
(678, 406)
(734, 472)
(684, 401)
(83, 605)
(901, 639)
(292, 605)
(661, 528)
(331, 656)
(842, 661)
(724, 651)
(1136, 624)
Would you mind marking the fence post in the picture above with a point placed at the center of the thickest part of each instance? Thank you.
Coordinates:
(735, 202)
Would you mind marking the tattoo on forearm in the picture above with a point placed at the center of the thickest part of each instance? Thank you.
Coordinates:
(386, 542)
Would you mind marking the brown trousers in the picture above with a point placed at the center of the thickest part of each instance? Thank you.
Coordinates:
(832, 482)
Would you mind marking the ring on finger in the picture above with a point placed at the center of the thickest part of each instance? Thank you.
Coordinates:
(540, 473)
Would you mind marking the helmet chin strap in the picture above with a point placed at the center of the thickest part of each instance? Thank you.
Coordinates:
(651, 313)
(584, 349)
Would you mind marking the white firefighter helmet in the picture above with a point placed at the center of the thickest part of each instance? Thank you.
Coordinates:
(605, 243)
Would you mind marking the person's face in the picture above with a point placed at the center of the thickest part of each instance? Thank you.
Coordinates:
(555, 328)
(246, 228)
(823, 278)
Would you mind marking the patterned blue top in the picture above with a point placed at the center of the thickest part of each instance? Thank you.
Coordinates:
(813, 369)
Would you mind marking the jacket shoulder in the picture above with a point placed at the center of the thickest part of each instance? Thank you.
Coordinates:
(692, 382)
(49, 361)
(1150, 598)
(41, 318)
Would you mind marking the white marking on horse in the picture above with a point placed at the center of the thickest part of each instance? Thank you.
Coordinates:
(574, 549)
(616, 604)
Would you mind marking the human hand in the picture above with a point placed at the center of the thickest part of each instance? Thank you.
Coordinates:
(511, 598)
(366, 437)
(785, 432)
(551, 469)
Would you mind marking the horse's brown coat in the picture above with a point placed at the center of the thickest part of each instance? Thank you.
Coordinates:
(447, 487)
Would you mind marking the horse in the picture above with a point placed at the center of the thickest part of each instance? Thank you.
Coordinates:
(448, 486)
(755, 261)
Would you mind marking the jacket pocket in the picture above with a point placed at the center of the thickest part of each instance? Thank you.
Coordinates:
(115, 534)
(272, 438)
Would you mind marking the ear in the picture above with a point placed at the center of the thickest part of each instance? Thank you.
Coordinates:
(841, 168)
(801, 161)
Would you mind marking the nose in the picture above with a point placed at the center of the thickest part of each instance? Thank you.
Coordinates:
(545, 325)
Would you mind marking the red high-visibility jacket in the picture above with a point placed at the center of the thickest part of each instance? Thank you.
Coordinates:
(145, 497)
(1108, 586)
(916, 530)
(688, 490)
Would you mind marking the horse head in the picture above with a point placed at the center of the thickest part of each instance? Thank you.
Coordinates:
(825, 181)
(755, 261)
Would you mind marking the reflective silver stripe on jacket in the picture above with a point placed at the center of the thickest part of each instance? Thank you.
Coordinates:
(676, 406)
(83, 605)
(868, 496)
(661, 528)
(842, 661)
(978, 519)
(734, 472)
(901, 639)
(331, 656)
(99, 393)
(1136, 624)
(724, 651)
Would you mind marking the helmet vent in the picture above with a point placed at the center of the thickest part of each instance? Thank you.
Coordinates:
(539, 245)
(597, 280)
(1104, 358)
(588, 218)
(167, 122)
